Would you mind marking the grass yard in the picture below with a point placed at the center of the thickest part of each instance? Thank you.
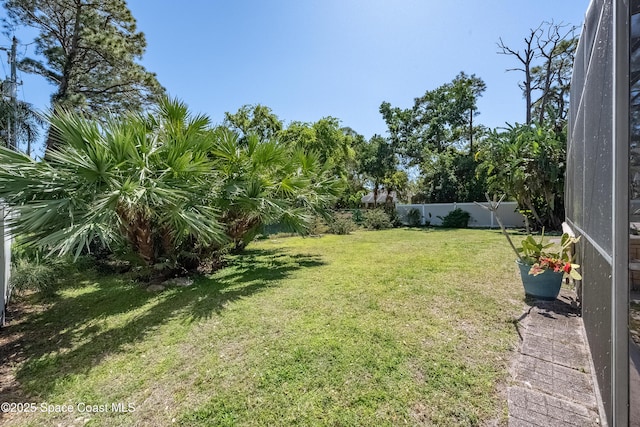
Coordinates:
(379, 328)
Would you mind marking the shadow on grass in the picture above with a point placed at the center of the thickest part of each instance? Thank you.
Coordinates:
(440, 229)
(76, 332)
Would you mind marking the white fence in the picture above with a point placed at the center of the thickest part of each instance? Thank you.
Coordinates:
(5, 262)
(480, 217)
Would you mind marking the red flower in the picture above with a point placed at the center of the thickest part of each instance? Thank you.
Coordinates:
(567, 267)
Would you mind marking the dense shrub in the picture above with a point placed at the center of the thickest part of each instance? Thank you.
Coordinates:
(342, 224)
(427, 221)
(376, 219)
(318, 227)
(31, 271)
(392, 213)
(413, 217)
(457, 218)
(34, 275)
(357, 216)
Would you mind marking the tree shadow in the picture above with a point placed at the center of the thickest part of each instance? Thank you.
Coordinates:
(564, 306)
(70, 336)
(254, 271)
(440, 229)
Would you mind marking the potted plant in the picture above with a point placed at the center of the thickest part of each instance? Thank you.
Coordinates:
(542, 269)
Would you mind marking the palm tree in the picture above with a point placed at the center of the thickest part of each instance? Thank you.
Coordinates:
(141, 182)
(163, 186)
(29, 123)
(265, 182)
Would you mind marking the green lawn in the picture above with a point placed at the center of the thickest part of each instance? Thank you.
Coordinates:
(375, 328)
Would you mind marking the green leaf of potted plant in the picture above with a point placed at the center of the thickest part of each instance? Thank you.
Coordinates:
(541, 257)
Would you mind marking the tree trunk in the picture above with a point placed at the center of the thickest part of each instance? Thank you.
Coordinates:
(138, 230)
(238, 229)
(388, 200)
(545, 90)
(375, 195)
(63, 89)
(534, 212)
(471, 131)
(527, 90)
(525, 58)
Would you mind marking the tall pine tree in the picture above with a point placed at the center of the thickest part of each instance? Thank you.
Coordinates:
(89, 50)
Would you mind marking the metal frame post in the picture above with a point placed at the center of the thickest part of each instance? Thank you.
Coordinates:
(620, 216)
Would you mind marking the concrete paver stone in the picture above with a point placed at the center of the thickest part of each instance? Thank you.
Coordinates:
(552, 383)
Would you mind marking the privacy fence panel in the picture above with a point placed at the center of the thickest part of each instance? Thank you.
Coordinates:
(481, 218)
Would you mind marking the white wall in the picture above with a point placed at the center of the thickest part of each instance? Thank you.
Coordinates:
(480, 217)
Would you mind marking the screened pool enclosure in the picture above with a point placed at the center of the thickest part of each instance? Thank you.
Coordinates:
(603, 198)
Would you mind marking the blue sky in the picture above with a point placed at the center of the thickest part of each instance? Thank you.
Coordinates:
(342, 58)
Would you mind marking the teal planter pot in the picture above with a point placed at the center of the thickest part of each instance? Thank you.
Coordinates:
(545, 286)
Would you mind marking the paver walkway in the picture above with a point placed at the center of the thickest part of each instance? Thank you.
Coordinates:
(552, 383)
